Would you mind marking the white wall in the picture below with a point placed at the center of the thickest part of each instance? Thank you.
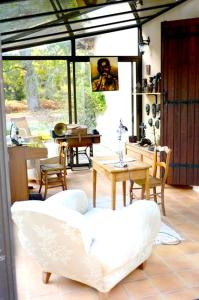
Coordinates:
(152, 55)
(119, 43)
(118, 102)
(118, 107)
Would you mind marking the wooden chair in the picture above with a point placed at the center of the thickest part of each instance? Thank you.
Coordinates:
(24, 130)
(22, 124)
(25, 133)
(157, 179)
(54, 175)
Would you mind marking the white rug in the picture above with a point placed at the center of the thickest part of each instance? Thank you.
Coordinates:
(166, 235)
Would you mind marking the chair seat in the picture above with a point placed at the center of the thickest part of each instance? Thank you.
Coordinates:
(51, 167)
(153, 181)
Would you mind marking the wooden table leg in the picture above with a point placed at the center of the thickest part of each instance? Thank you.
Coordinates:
(94, 187)
(113, 192)
(147, 190)
(71, 158)
(124, 192)
(77, 156)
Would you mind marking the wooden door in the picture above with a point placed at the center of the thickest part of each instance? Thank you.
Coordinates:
(180, 104)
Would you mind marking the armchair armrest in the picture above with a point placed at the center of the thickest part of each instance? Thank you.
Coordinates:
(125, 234)
(143, 216)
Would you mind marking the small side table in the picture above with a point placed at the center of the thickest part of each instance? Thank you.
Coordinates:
(106, 166)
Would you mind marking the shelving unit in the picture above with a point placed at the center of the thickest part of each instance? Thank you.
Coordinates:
(149, 94)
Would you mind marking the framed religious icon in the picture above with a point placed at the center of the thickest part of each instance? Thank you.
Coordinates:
(104, 74)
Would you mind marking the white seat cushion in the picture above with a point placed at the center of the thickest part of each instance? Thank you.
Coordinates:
(72, 199)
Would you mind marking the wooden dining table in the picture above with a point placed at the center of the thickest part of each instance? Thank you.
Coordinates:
(109, 167)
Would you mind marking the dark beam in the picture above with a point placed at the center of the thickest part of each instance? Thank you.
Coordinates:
(69, 58)
(46, 25)
(136, 15)
(68, 27)
(61, 11)
(4, 42)
(147, 18)
(87, 7)
(22, 32)
(57, 40)
(10, 1)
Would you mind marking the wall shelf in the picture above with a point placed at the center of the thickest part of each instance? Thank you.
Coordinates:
(149, 94)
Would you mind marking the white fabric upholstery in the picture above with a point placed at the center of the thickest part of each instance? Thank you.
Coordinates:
(73, 199)
(98, 248)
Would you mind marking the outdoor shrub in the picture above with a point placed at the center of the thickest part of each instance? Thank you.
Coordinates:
(48, 104)
(13, 106)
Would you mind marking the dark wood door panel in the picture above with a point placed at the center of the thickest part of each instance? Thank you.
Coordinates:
(180, 105)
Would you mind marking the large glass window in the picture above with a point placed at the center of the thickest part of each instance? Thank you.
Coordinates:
(119, 43)
(89, 105)
(58, 49)
(102, 20)
(37, 90)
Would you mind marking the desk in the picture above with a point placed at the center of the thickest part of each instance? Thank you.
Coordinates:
(76, 141)
(18, 156)
(141, 153)
(135, 170)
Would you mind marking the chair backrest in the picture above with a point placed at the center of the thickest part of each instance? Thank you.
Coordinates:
(162, 165)
(22, 124)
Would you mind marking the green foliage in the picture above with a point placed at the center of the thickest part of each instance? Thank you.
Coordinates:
(51, 76)
(13, 77)
(89, 104)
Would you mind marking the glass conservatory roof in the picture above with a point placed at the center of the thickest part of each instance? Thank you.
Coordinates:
(30, 23)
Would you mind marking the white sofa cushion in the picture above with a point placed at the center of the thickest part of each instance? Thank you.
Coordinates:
(72, 199)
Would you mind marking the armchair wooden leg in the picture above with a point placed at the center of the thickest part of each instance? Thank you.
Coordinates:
(46, 277)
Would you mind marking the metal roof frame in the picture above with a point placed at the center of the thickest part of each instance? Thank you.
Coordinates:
(65, 19)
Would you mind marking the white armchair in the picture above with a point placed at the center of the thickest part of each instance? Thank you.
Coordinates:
(98, 247)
